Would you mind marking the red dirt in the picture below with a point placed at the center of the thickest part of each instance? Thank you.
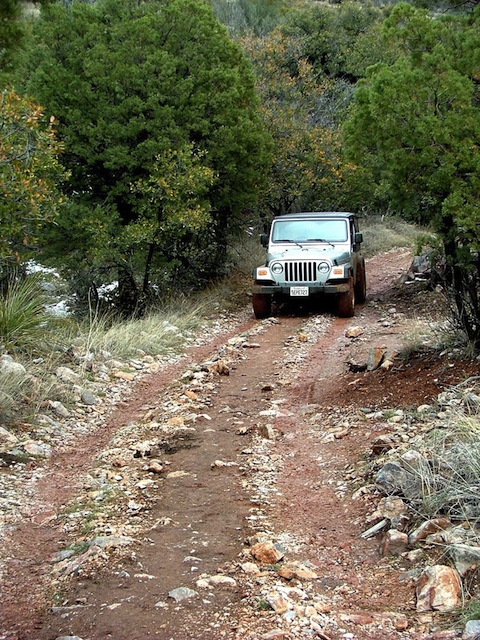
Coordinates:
(116, 597)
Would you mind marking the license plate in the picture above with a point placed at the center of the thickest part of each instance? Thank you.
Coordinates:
(299, 291)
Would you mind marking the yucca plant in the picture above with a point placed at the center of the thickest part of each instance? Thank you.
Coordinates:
(23, 316)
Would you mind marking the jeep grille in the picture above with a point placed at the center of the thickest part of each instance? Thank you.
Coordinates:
(300, 272)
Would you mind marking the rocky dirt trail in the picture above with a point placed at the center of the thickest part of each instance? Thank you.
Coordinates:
(222, 498)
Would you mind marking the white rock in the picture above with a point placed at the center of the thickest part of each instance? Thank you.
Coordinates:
(177, 474)
(250, 568)
(465, 557)
(202, 583)
(220, 580)
(424, 408)
(67, 375)
(182, 593)
(6, 437)
(472, 630)
(11, 368)
(278, 603)
(37, 449)
(143, 484)
(59, 409)
(222, 463)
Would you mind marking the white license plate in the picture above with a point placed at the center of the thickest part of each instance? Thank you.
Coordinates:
(299, 291)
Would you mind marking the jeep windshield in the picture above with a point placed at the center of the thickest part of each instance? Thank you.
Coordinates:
(310, 231)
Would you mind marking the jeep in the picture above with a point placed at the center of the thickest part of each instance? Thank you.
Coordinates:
(309, 255)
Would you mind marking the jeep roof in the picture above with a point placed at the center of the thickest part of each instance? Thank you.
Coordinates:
(318, 214)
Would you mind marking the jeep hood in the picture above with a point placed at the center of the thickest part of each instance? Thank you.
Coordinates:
(310, 253)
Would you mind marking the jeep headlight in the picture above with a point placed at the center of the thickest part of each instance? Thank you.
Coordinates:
(323, 267)
(276, 268)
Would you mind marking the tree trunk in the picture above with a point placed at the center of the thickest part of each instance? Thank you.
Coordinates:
(127, 295)
(462, 274)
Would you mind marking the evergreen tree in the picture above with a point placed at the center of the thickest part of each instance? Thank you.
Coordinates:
(416, 125)
(11, 32)
(131, 83)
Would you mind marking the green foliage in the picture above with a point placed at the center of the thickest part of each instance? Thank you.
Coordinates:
(305, 72)
(459, 6)
(415, 122)
(15, 18)
(29, 175)
(449, 481)
(340, 40)
(172, 196)
(131, 84)
(263, 605)
(471, 611)
(11, 33)
(416, 125)
(300, 112)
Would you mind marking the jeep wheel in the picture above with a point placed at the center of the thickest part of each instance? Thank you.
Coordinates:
(262, 305)
(361, 284)
(346, 301)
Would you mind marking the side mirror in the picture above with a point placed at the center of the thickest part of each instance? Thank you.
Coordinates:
(264, 239)
(358, 238)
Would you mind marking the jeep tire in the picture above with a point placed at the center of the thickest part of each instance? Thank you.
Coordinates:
(346, 301)
(262, 305)
(361, 284)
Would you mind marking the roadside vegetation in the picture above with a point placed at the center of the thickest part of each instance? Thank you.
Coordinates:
(450, 482)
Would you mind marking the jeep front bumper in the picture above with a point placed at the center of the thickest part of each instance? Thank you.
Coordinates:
(284, 289)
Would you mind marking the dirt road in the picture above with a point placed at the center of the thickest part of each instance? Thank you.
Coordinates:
(256, 437)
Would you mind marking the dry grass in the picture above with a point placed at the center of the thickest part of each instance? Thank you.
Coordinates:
(160, 332)
(389, 233)
(451, 479)
(12, 390)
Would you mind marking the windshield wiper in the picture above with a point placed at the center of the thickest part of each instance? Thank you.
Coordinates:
(291, 242)
(320, 240)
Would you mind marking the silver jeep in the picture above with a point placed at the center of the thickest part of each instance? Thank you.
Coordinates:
(308, 255)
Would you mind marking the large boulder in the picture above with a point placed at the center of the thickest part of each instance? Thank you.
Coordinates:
(439, 588)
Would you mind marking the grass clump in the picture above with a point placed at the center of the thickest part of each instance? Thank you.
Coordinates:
(161, 332)
(12, 390)
(28, 335)
(451, 479)
(471, 611)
